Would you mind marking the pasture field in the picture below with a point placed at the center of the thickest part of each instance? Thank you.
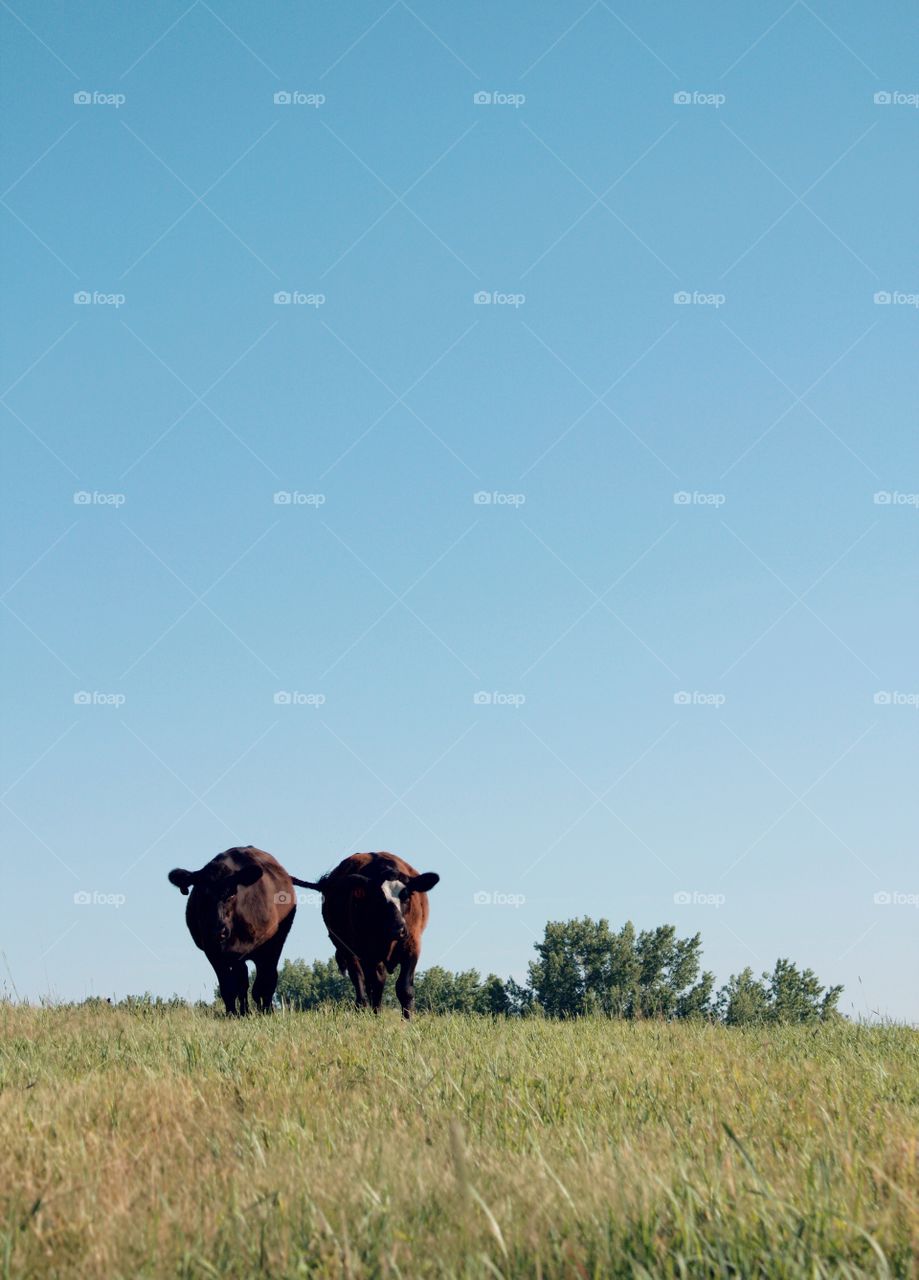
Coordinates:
(333, 1144)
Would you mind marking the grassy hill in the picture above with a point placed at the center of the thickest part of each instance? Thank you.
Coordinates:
(331, 1144)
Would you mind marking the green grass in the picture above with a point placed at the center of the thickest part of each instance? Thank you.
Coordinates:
(334, 1144)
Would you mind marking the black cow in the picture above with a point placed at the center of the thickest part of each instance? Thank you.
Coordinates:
(241, 908)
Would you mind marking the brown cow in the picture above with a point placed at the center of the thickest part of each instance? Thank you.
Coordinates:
(375, 907)
(241, 908)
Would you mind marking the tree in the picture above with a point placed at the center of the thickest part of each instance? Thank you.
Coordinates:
(495, 997)
(785, 995)
(743, 1000)
(304, 986)
(519, 1001)
(669, 983)
(438, 990)
(798, 996)
(584, 967)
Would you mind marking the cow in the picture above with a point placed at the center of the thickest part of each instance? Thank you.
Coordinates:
(375, 907)
(241, 908)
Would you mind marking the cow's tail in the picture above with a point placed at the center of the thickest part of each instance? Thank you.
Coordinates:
(306, 884)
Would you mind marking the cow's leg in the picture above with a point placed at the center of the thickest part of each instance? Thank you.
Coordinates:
(240, 968)
(405, 985)
(266, 966)
(356, 974)
(233, 977)
(376, 985)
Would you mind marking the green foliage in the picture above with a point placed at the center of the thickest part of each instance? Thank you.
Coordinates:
(743, 1000)
(788, 994)
(306, 986)
(438, 990)
(796, 996)
(584, 967)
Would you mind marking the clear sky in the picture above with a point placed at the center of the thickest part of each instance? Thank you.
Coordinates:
(691, 623)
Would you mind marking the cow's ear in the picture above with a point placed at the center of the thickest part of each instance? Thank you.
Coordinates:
(183, 879)
(423, 883)
(249, 875)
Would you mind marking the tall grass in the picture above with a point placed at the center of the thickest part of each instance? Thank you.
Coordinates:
(338, 1145)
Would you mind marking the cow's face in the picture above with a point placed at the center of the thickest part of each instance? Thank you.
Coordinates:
(215, 898)
(388, 900)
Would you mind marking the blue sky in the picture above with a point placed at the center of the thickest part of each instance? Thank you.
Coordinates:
(688, 603)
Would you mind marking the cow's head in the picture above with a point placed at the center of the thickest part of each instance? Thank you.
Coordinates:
(383, 898)
(215, 898)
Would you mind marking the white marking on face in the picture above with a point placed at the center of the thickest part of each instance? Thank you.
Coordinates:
(392, 891)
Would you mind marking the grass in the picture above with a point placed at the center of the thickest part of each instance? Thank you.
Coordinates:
(332, 1144)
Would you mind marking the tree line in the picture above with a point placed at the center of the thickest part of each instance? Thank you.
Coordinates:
(584, 967)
